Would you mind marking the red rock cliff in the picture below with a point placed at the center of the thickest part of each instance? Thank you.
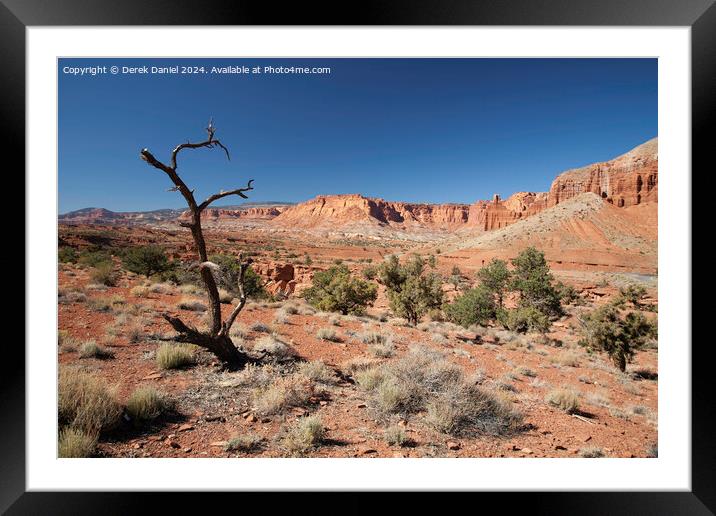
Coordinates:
(627, 180)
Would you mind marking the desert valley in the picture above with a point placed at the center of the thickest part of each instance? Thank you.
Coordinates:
(533, 334)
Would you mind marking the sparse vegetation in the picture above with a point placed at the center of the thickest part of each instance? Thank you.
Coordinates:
(146, 260)
(619, 334)
(85, 402)
(336, 290)
(90, 349)
(328, 334)
(564, 399)
(475, 306)
(246, 443)
(306, 435)
(396, 436)
(412, 290)
(147, 403)
(174, 356)
(74, 443)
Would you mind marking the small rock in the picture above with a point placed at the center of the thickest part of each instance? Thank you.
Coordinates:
(559, 447)
(136, 446)
(172, 443)
(361, 405)
(209, 419)
(266, 420)
(219, 444)
(251, 418)
(588, 438)
(323, 403)
(185, 427)
(452, 445)
(154, 376)
(366, 450)
(187, 450)
(403, 423)
(527, 451)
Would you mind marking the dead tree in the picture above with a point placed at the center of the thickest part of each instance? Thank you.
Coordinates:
(216, 339)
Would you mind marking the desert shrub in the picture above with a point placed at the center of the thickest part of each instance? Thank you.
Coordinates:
(93, 257)
(66, 254)
(563, 398)
(90, 349)
(317, 371)
(257, 376)
(281, 394)
(85, 402)
(193, 305)
(591, 452)
(382, 350)
(412, 291)
(239, 330)
(135, 333)
(396, 436)
(524, 319)
(373, 337)
(566, 358)
(74, 443)
(567, 293)
(228, 278)
(147, 403)
(146, 260)
(370, 272)
(607, 329)
(475, 306)
(532, 279)
(261, 327)
(633, 294)
(225, 296)
(174, 356)
(336, 290)
(104, 274)
(66, 342)
(139, 291)
(278, 349)
(424, 381)
(328, 334)
(244, 443)
(306, 435)
(495, 278)
(104, 304)
(357, 364)
(525, 371)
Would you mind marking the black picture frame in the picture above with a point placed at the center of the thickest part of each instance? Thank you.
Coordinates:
(700, 15)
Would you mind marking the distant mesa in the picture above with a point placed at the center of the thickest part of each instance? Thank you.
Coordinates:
(627, 180)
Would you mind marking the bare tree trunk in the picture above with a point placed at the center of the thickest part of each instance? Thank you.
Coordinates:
(216, 339)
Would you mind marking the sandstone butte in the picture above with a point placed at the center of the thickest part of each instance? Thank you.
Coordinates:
(627, 180)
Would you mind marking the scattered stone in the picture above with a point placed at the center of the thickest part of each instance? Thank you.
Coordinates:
(361, 405)
(251, 418)
(187, 450)
(366, 450)
(219, 444)
(559, 447)
(154, 376)
(452, 445)
(527, 451)
(210, 419)
(172, 443)
(403, 423)
(323, 403)
(185, 427)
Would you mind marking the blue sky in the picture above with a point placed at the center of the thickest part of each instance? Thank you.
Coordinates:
(419, 130)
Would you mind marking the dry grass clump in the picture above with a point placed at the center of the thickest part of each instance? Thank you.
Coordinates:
(591, 452)
(90, 349)
(305, 436)
(246, 443)
(66, 342)
(74, 443)
(174, 356)
(373, 337)
(147, 403)
(396, 436)
(317, 371)
(135, 333)
(335, 320)
(193, 305)
(139, 291)
(423, 380)
(563, 398)
(525, 371)
(104, 304)
(225, 296)
(257, 376)
(277, 348)
(161, 288)
(281, 394)
(104, 274)
(438, 338)
(85, 402)
(566, 358)
(357, 364)
(385, 350)
(190, 288)
(239, 330)
(261, 327)
(65, 296)
(289, 309)
(328, 334)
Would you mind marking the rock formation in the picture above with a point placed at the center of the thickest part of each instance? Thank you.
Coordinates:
(627, 180)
